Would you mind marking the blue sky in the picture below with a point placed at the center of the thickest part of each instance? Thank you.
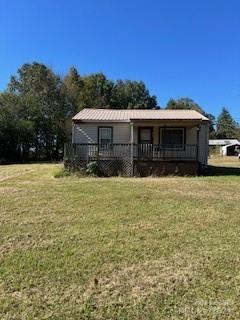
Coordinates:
(178, 48)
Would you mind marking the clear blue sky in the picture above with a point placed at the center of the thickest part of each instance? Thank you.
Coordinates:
(177, 47)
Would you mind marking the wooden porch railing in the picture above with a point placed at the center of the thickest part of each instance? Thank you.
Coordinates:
(93, 151)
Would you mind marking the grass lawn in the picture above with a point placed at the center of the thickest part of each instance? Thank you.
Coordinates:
(118, 248)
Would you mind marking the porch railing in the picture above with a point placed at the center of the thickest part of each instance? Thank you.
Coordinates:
(130, 151)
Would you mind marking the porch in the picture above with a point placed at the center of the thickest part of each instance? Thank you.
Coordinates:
(132, 151)
(134, 159)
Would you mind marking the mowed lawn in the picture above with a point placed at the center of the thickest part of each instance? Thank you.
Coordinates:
(118, 248)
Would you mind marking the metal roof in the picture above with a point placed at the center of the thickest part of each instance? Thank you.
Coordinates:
(222, 142)
(123, 115)
(230, 145)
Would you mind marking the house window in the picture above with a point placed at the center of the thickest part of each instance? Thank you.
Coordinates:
(145, 135)
(105, 135)
(172, 137)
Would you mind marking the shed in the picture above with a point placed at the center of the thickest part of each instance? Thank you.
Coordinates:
(232, 149)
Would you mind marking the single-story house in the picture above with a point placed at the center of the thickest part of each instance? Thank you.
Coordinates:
(139, 142)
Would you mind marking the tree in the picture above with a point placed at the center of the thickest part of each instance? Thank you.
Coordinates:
(96, 92)
(42, 102)
(212, 130)
(184, 103)
(132, 95)
(226, 126)
(16, 136)
(72, 87)
(189, 104)
(36, 108)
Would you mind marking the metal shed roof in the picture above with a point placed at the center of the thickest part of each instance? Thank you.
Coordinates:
(222, 142)
(123, 115)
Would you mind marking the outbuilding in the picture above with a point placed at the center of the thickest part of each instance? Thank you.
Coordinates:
(232, 149)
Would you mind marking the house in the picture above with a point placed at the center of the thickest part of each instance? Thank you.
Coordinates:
(139, 142)
(224, 146)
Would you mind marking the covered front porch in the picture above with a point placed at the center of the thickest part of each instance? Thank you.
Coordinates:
(143, 140)
(132, 151)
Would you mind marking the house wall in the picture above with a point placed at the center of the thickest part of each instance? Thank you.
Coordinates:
(88, 132)
(191, 130)
(203, 143)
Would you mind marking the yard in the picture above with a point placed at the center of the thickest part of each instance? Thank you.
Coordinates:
(119, 248)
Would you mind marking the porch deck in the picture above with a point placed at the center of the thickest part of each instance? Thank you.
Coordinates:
(118, 151)
(134, 159)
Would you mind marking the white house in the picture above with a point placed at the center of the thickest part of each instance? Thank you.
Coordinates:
(152, 141)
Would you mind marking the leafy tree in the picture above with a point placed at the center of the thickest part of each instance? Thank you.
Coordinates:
(132, 95)
(96, 92)
(43, 103)
(72, 87)
(36, 108)
(8, 131)
(189, 104)
(16, 135)
(226, 126)
(184, 103)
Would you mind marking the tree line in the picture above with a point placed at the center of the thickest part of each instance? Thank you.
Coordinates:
(37, 105)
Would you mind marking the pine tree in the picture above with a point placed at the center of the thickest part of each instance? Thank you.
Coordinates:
(226, 126)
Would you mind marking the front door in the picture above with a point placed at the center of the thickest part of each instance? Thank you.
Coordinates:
(145, 141)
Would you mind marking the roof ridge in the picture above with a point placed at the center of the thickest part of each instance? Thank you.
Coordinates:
(106, 109)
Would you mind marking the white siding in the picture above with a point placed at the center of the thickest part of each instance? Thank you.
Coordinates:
(191, 135)
(88, 132)
(203, 143)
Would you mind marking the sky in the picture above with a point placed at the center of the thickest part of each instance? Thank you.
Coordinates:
(179, 48)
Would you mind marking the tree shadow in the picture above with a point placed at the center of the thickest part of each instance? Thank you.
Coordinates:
(222, 171)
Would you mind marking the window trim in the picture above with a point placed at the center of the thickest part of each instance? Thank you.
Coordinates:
(105, 127)
(173, 128)
(139, 129)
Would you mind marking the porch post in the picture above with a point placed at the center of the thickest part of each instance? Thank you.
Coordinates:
(73, 132)
(164, 146)
(132, 150)
(197, 151)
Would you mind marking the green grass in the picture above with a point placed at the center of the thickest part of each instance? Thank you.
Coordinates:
(118, 248)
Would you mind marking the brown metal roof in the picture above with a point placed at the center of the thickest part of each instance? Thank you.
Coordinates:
(123, 115)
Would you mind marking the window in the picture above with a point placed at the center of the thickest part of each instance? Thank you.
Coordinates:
(105, 135)
(145, 135)
(172, 137)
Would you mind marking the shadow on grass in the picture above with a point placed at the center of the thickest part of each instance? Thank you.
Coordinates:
(222, 171)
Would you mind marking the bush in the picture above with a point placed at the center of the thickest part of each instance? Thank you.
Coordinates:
(93, 168)
(62, 173)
